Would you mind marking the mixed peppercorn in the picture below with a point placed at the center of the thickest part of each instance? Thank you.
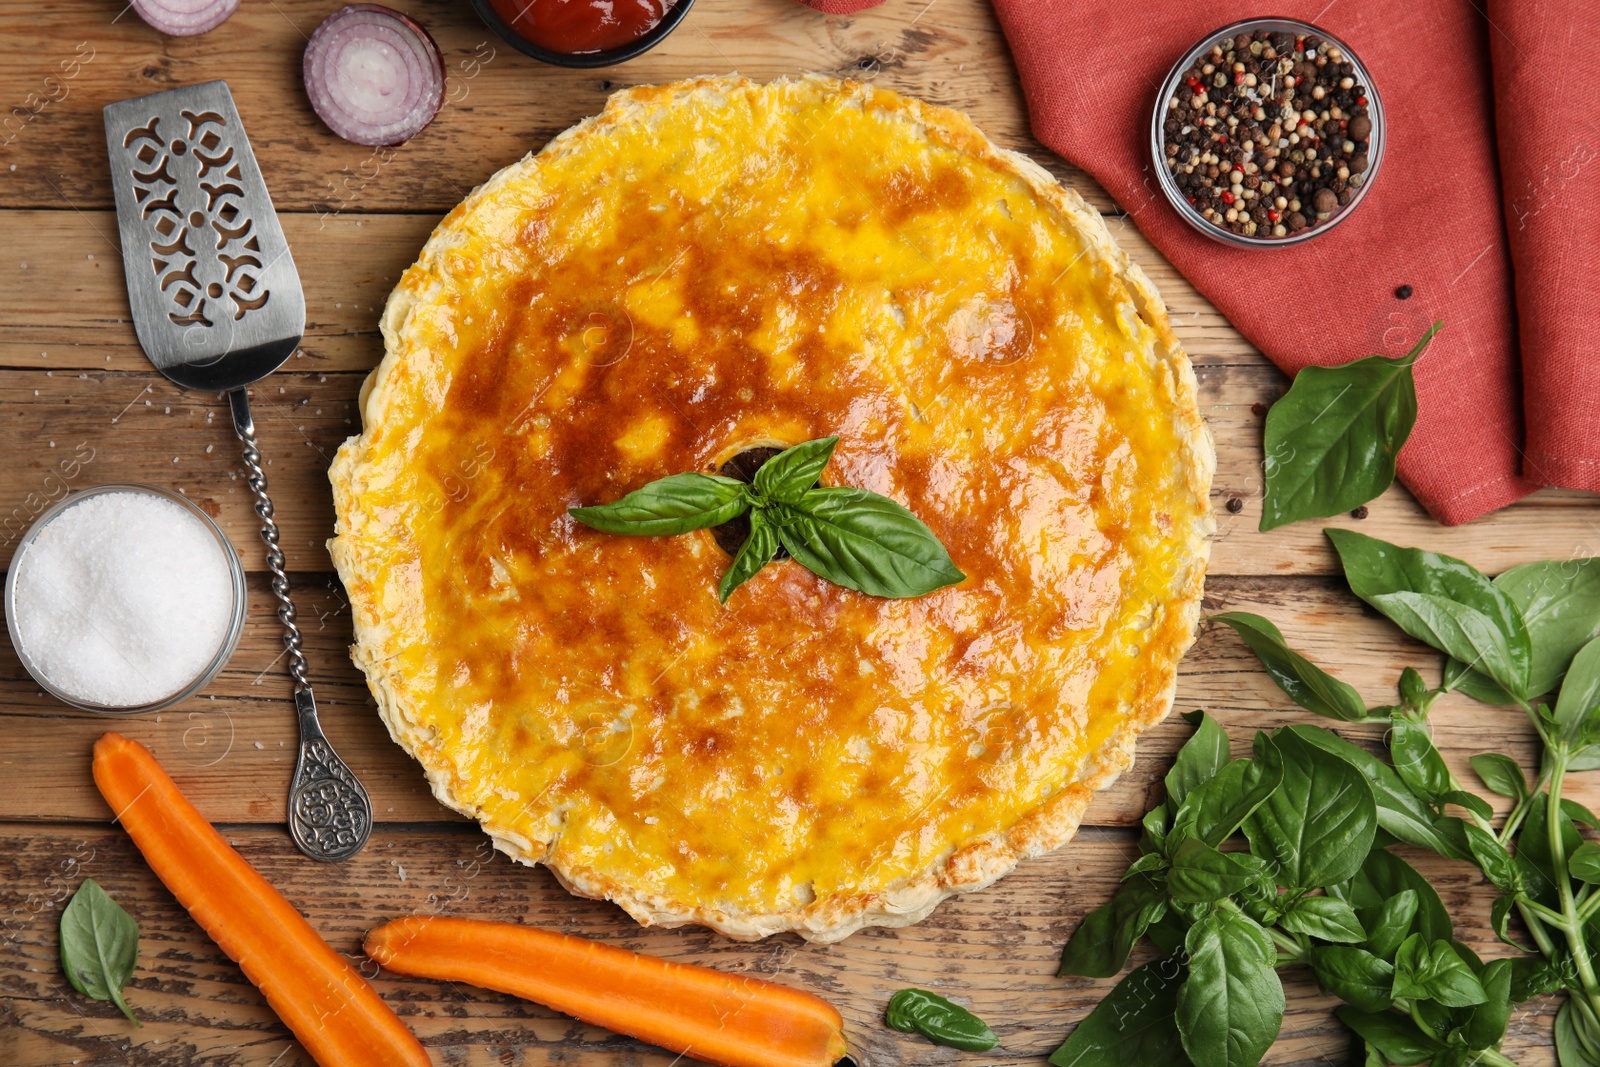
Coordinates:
(1268, 133)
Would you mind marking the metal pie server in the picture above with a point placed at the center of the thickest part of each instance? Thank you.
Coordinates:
(217, 305)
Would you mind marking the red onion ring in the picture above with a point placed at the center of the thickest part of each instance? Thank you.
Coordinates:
(185, 18)
(373, 75)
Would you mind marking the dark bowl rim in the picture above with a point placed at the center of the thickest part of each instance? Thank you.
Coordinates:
(583, 60)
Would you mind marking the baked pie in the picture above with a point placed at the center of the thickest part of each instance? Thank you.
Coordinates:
(712, 267)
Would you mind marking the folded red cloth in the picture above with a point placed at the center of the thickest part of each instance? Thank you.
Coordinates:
(1433, 220)
(1550, 168)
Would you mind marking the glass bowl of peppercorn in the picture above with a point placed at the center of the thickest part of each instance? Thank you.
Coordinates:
(1267, 133)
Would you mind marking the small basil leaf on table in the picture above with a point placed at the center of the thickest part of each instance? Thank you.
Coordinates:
(1401, 1041)
(1487, 1023)
(1560, 603)
(1307, 684)
(99, 945)
(1424, 971)
(1400, 811)
(672, 505)
(917, 1011)
(1201, 757)
(1135, 1023)
(1391, 924)
(1200, 874)
(1318, 825)
(1329, 918)
(1332, 440)
(794, 470)
(1441, 601)
(1501, 774)
(1578, 706)
(865, 542)
(756, 552)
(1230, 1007)
(1099, 948)
(1354, 975)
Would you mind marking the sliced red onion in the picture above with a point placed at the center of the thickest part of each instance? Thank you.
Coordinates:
(185, 18)
(373, 75)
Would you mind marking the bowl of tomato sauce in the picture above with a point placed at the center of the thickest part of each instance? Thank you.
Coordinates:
(582, 33)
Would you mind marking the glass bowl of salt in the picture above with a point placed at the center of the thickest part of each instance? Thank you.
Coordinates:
(124, 599)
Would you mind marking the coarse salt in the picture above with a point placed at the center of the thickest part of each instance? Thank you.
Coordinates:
(122, 599)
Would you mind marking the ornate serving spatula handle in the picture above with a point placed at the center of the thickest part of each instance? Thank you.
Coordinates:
(330, 814)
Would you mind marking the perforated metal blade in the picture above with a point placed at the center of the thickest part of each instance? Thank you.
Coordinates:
(215, 296)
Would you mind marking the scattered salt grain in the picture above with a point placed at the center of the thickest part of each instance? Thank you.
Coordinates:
(123, 598)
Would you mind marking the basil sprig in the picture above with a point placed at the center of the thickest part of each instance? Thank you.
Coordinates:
(99, 945)
(1316, 884)
(851, 537)
(1332, 440)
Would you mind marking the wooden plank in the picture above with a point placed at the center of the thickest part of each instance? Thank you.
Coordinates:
(233, 748)
(994, 950)
(500, 104)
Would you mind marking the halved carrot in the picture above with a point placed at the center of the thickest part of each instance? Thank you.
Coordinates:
(337, 1016)
(729, 1019)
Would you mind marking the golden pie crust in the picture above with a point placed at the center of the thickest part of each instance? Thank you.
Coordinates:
(715, 264)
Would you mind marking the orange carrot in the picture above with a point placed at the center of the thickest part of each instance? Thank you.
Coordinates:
(337, 1016)
(733, 1020)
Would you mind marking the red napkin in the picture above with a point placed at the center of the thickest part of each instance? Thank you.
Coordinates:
(1550, 168)
(1433, 220)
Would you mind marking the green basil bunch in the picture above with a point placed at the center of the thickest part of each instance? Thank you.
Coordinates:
(1332, 440)
(851, 537)
(1315, 884)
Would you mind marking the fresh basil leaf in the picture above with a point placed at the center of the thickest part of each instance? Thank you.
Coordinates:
(1580, 814)
(1200, 758)
(1260, 899)
(1413, 690)
(1354, 975)
(1217, 808)
(1534, 976)
(1230, 1008)
(1492, 859)
(1500, 773)
(1533, 849)
(1584, 863)
(1383, 875)
(1471, 801)
(1318, 825)
(1307, 684)
(1200, 874)
(1579, 702)
(1500, 919)
(794, 470)
(1331, 441)
(1391, 923)
(672, 505)
(1153, 830)
(864, 541)
(1486, 1024)
(1400, 1040)
(756, 552)
(1168, 934)
(99, 945)
(917, 1011)
(1099, 948)
(1560, 602)
(1329, 918)
(1435, 972)
(1417, 762)
(1575, 1045)
(1135, 1023)
(1441, 601)
(1148, 863)
(1400, 812)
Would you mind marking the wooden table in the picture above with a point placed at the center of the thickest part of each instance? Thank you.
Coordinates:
(80, 405)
